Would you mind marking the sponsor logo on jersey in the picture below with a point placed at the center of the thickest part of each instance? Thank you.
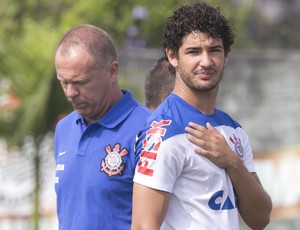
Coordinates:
(151, 145)
(62, 153)
(113, 163)
(238, 147)
(217, 202)
(60, 167)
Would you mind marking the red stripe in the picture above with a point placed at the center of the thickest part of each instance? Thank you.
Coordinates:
(149, 155)
(145, 171)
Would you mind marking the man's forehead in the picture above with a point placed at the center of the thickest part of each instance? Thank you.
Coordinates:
(70, 49)
(198, 40)
(202, 37)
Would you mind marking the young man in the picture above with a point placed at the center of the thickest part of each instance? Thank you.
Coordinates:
(175, 188)
(94, 145)
(159, 83)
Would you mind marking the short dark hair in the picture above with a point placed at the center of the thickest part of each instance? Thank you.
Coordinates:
(196, 16)
(159, 83)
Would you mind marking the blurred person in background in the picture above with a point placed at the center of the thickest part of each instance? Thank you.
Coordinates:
(159, 83)
(94, 144)
(174, 188)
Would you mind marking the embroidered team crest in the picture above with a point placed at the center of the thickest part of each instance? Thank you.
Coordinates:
(238, 147)
(113, 163)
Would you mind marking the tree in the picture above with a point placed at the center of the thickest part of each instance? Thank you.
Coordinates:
(30, 30)
(27, 64)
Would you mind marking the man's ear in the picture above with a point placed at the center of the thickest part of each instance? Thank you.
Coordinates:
(172, 57)
(114, 69)
(226, 58)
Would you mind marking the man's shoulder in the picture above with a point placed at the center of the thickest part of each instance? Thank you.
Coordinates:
(140, 112)
(225, 119)
(69, 118)
(163, 125)
(130, 102)
(142, 109)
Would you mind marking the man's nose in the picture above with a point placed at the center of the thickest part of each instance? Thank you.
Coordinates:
(206, 59)
(71, 91)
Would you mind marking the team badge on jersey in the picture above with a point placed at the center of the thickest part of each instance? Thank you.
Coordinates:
(238, 147)
(113, 163)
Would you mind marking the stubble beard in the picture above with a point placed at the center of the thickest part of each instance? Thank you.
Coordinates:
(197, 86)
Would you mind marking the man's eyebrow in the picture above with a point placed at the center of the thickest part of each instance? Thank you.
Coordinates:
(216, 47)
(193, 48)
(201, 48)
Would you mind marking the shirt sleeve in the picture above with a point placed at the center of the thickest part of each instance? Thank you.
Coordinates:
(162, 157)
(248, 153)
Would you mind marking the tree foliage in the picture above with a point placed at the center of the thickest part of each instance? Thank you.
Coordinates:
(30, 30)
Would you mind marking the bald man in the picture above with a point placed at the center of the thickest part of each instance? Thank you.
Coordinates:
(94, 144)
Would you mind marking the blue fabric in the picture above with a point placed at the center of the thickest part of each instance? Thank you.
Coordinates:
(183, 113)
(95, 167)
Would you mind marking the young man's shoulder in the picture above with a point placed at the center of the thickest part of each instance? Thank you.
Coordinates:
(225, 119)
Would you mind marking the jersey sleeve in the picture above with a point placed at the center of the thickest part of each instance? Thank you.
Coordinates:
(162, 149)
(248, 153)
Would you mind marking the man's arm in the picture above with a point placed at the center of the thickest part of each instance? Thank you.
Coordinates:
(254, 203)
(149, 207)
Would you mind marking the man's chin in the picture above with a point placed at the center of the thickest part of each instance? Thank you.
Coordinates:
(80, 111)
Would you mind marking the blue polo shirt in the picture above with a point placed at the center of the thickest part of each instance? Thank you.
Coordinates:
(95, 166)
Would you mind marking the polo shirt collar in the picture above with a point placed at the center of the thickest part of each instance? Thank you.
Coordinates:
(117, 113)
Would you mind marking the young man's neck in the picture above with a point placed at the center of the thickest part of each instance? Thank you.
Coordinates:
(203, 101)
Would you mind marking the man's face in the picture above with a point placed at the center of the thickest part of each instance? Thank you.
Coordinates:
(86, 85)
(200, 62)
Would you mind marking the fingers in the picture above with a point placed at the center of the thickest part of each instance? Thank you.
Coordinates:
(201, 151)
(210, 127)
(196, 130)
(202, 128)
(197, 136)
(207, 138)
(200, 145)
(197, 126)
(197, 141)
(209, 143)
